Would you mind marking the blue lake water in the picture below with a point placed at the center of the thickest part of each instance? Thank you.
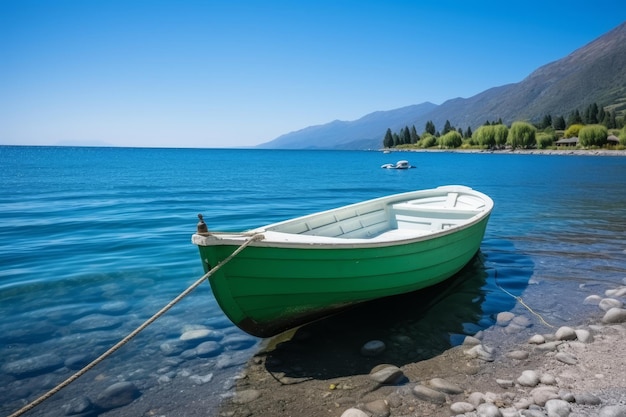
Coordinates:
(93, 241)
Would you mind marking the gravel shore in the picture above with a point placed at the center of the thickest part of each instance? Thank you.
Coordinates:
(507, 370)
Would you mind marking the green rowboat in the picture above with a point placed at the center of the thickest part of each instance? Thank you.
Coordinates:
(306, 268)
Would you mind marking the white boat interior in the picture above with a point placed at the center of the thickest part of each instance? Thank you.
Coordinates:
(397, 217)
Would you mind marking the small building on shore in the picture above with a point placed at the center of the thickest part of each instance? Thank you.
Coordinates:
(611, 140)
(567, 142)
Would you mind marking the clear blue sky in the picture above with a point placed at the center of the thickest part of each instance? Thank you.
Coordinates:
(239, 73)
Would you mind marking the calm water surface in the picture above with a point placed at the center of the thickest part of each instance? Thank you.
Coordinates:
(93, 241)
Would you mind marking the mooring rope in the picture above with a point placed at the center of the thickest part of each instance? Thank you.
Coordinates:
(521, 301)
(135, 332)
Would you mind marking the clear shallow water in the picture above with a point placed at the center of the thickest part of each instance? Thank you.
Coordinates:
(93, 241)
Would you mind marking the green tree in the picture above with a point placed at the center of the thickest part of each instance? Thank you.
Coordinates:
(622, 136)
(545, 139)
(593, 135)
(558, 123)
(447, 127)
(388, 139)
(572, 131)
(485, 136)
(546, 121)
(522, 135)
(602, 116)
(428, 141)
(574, 118)
(414, 136)
(501, 134)
(452, 139)
(591, 114)
(405, 135)
(468, 133)
(430, 127)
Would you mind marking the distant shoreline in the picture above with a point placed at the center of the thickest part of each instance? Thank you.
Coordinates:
(583, 152)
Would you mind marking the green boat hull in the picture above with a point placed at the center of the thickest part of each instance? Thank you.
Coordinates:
(266, 290)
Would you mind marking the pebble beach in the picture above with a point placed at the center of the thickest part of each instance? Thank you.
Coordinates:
(519, 367)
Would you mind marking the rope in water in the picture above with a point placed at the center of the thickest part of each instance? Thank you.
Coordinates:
(521, 301)
(134, 333)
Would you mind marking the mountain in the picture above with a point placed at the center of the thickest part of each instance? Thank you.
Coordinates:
(359, 134)
(595, 73)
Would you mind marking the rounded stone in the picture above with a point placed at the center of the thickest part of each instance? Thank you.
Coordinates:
(584, 336)
(566, 358)
(592, 300)
(613, 411)
(558, 408)
(537, 339)
(587, 399)
(547, 379)
(445, 386)
(481, 352)
(614, 315)
(565, 333)
(172, 347)
(354, 412)
(471, 341)
(476, 398)
(76, 362)
(518, 355)
(428, 394)
(208, 349)
(548, 346)
(378, 408)
(617, 292)
(522, 321)
(528, 379)
(542, 395)
(35, 365)
(386, 374)
(504, 318)
(461, 408)
(79, 405)
(238, 341)
(488, 410)
(117, 395)
(373, 348)
(567, 396)
(199, 335)
(608, 303)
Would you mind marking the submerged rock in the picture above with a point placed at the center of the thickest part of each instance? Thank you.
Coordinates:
(117, 395)
(373, 348)
(33, 366)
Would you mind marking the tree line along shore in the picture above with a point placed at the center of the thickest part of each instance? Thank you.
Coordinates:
(595, 128)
